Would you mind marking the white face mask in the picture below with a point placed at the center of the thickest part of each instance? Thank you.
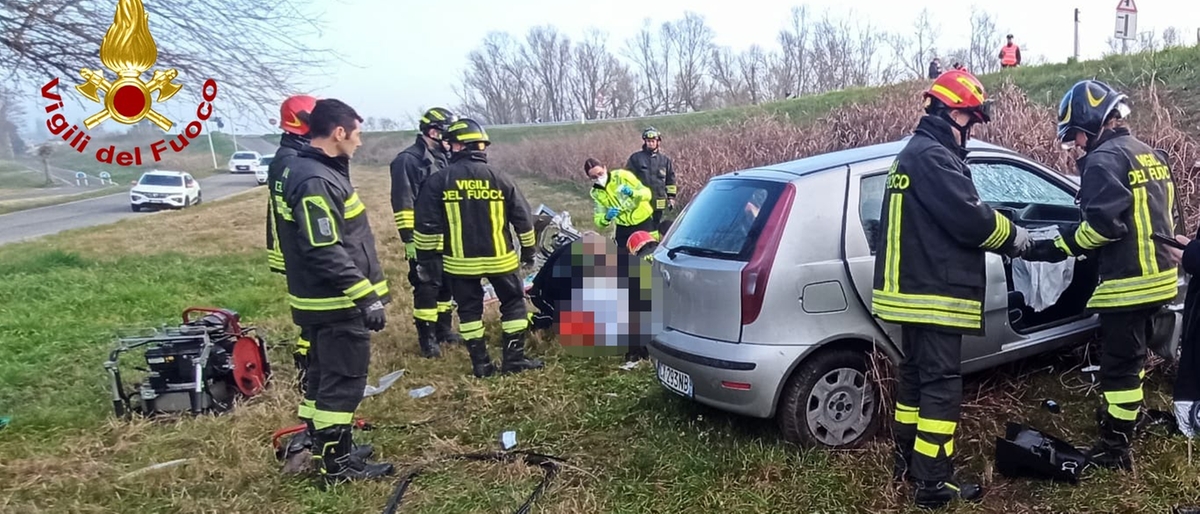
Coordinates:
(601, 180)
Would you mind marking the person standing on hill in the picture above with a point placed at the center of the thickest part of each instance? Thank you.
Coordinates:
(654, 169)
(1010, 54)
(935, 68)
(410, 169)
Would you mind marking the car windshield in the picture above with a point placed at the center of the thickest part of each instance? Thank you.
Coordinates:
(243, 157)
(724, 220)
(265, 161)
(161, 180)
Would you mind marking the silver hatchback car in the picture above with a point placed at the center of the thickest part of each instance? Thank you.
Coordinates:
(767, 275)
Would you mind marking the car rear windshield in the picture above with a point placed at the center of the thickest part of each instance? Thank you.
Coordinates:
(725, 219)
(161, 180)
(265, 160)
(243, 156)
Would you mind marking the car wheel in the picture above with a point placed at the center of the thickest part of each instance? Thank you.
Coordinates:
(197, 202)
(830, 402)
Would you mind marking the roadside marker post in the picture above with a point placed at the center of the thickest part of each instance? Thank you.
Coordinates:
(81, 178)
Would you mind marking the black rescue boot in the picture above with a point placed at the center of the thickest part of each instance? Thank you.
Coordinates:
(514, 359)
(336, 460)
(445, 330)
(297, 455)
(481, 362)
(427, 340)
(936, 494)
(1112, 448)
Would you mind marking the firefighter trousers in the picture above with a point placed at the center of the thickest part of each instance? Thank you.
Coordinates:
(1122, 357)
(302, 361)
(468, 291)
(929, 400)
(339, 356)
(431, 298)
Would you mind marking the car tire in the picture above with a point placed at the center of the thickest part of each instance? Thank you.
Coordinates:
(198, 199)
(830, 402)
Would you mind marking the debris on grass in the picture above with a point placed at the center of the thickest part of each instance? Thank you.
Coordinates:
(155, 467)
(385, 382)
(508, 440)
(421, 392)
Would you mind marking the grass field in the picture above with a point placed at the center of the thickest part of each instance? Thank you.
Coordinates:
(633, 447)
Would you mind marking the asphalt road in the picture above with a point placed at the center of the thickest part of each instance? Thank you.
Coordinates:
(43, 221)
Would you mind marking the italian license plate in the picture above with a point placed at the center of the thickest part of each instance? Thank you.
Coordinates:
(675, 380)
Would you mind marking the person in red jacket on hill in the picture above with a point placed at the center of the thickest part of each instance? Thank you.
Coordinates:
(1010, 54)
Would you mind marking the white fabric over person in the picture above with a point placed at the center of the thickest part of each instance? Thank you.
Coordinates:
(1042, 283)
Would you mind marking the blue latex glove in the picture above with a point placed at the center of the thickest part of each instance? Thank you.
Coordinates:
(626, 190)
(612, 213)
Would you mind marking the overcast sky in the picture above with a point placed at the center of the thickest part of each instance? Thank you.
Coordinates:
(405, 56)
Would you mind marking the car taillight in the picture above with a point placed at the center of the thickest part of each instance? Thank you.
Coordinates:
(756, 272)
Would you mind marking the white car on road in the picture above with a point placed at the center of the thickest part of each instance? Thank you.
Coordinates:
(243, 161)
(164, 189)
(260, 169)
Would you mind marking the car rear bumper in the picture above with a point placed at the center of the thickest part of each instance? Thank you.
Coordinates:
(719, 372)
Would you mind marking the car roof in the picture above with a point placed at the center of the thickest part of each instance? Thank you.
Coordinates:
(165, 172)
(828, 161)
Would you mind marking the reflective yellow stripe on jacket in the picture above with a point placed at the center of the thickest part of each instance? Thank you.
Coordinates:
(340, 302)
(890, 304)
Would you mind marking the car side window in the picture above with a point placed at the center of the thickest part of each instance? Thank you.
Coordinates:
(870, 206)
(1003, 182)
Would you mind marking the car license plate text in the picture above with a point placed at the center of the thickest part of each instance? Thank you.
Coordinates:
(675, 380)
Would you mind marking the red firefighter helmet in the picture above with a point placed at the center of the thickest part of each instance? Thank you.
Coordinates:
(637, 240)
(959, 89)
(293, 114)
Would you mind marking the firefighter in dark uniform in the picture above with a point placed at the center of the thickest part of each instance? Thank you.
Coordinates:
(1126, 196)
(930, 279)
(655, 170)
(464, 214)
(335, 282)
(293, 119)
(431, 304)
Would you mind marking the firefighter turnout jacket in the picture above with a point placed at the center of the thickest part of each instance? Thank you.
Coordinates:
(409, 170)
(1126, 196)
(332, 269)
(289, 145)
(654, 170)
(464, 213)
(634, 209)
(934, 233)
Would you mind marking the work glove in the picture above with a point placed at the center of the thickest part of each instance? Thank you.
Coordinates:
(1021, 242)
(410, 251)
(374, 316)
(626, 190)
(612, 213)
(1044, 251)
(527, 254)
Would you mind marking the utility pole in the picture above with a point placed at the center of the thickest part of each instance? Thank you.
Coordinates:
(1076, 34)
(211, 149)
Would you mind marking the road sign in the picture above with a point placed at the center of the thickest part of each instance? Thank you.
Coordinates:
(1126, 20)
(105, 177)
(81, 178)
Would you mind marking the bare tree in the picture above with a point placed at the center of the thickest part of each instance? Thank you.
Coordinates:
(692, 40)
(983, 56)
(1147, 41)
(548, 57)
(791, 75)
(1171, 37)
(494, 87)
(651, 55)
(917, 51)
(753, 64)
(239, 44)
(595, 77)
(621, 99)
(727, 81)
